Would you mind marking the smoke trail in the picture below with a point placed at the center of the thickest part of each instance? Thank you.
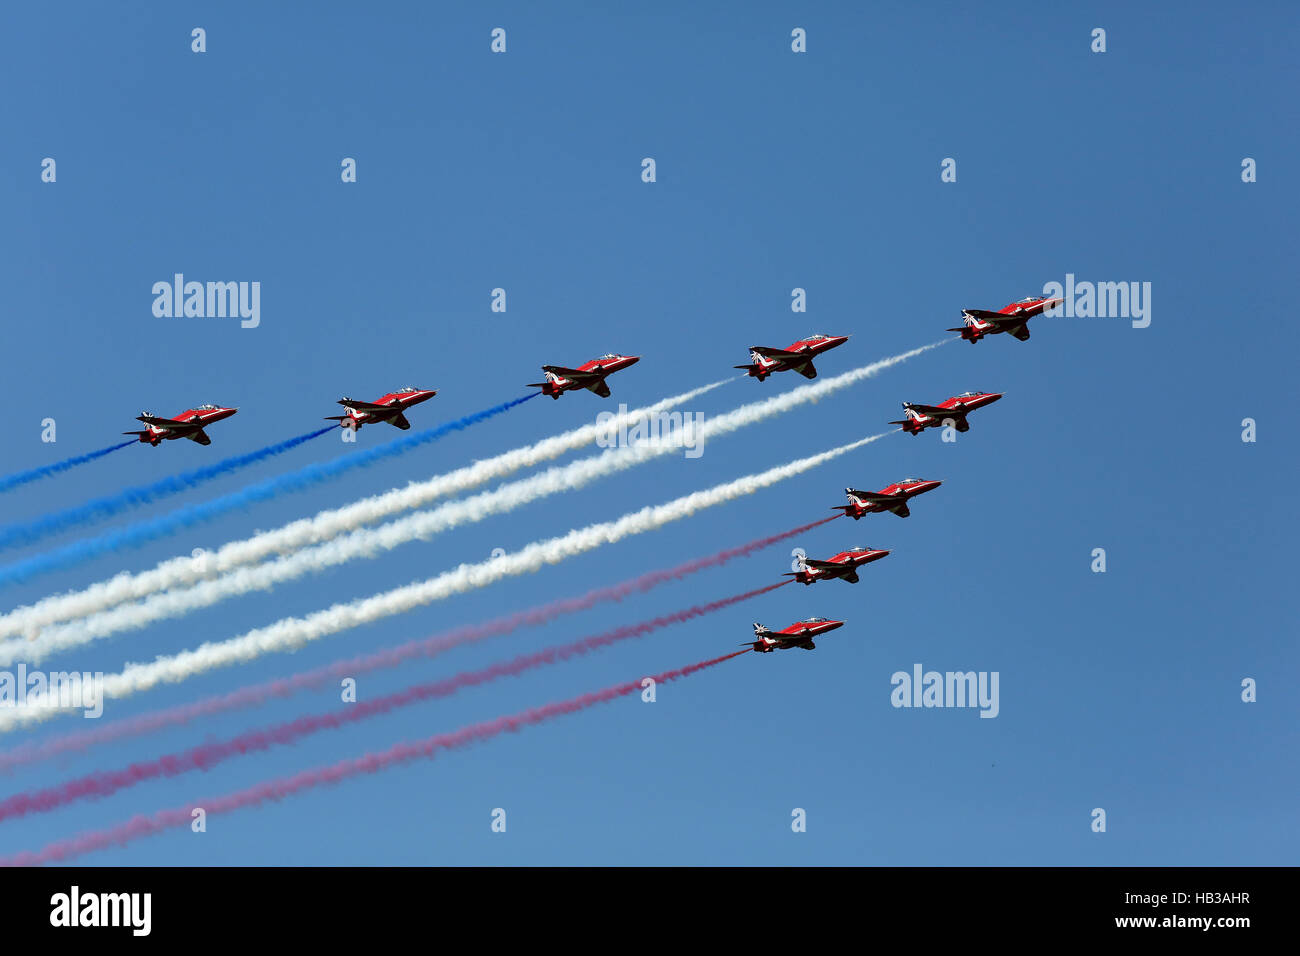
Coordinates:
(15, 535)
(290, 633)
(367, 543)
(362, 543)
(24, 477)
(323, 526)
(257, 694)
(187, 517)
(141, 826)
(206, 756)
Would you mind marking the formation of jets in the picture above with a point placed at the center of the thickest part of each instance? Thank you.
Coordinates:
(764, 361)
(1012, 319)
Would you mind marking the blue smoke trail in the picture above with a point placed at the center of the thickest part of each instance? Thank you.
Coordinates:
(191, 515)
(23, 477)
(15, 535)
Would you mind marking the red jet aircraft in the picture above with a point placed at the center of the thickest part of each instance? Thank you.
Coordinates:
(798, 356)
(588, 375)
(843, 565)
(188, 424)
(921, 417)
(799, 634)
(1011, 318)
(890, 498)
(389, 408)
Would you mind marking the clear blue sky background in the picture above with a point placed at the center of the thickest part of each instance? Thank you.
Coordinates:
(775, 170)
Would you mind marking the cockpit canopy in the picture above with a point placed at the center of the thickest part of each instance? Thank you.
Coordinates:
(816, 337)
(813, 620)
(1031, 298)
(969, 394)
(207, 408)
(406, 390)
(611, 355)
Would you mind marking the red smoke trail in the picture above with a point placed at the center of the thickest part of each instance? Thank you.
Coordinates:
(141, 826)
(425, 647)
(206, 756)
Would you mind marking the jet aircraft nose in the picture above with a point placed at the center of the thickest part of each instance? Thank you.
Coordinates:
(832, 625)
(632, 359)
(993, 397)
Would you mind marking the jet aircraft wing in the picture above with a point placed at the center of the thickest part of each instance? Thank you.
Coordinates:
(361, 406)
(781, 354)
(875, 498)
(163, 422)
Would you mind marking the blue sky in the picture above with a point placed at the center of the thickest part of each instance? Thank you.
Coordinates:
(775, 170)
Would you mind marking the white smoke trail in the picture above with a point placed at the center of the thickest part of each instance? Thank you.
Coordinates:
(369, 542)
(181, 571)
(291, 633)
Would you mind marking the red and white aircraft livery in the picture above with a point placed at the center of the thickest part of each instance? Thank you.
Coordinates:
(389, 408)
(588, 375)
(799, 634)
(890, 498)
(1011, 318)
(188, 424)
(798, 356)
(955, 409)
(843, 565)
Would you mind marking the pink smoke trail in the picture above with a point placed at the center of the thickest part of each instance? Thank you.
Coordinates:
(256, 694)
(278, 789)
(206, 756)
